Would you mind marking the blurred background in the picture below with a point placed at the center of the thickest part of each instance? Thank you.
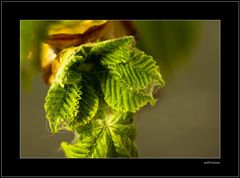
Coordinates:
(185, 121)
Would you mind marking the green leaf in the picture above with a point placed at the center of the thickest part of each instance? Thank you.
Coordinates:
(139, 73)
(129, 86)
(61, 105)
(111, 136)
(88, 105)
(71, 106)
(122, 99)
(64, 107)
(132, 74)
(67, 72)
(97, 89)
(113, 51)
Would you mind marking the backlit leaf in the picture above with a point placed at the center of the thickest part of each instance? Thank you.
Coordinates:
(111, 136)
(96, 90)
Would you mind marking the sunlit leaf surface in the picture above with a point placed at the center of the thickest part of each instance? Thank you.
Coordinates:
(96, 90)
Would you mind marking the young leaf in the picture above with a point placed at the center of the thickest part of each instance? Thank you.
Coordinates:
(62, 105)
(139, 73)
(66, 73)
(122, 99)
(70, 106)
(88, 105)
(96, 90)
(132, 74)
(111, 136)
(115, 51)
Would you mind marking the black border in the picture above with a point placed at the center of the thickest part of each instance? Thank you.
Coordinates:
(12, 12)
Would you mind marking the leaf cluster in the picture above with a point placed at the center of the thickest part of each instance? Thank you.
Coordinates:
(97, 89)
